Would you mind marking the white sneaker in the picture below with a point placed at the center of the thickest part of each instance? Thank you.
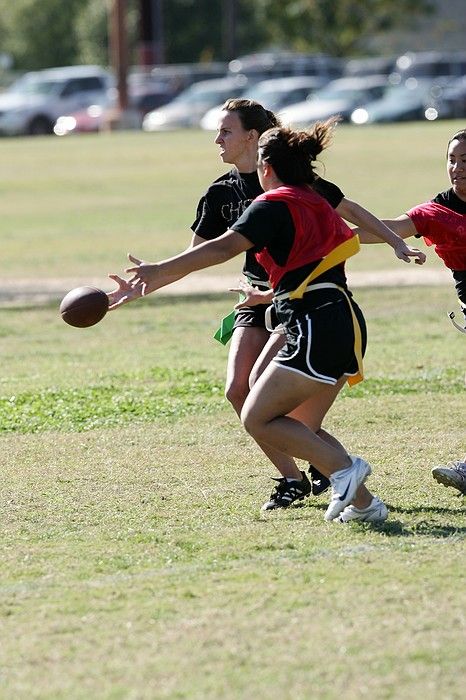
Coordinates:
(453, 474)
(376, 512)
(345, 483)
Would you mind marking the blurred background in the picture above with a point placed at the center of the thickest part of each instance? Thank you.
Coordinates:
(96, 65)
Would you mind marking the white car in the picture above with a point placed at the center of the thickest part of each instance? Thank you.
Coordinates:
(35, 101)
(274, 94)
(187, 109)
(341, 96)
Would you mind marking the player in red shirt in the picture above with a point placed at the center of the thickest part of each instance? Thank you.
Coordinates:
(441, 222)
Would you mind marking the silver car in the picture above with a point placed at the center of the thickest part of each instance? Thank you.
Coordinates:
(34, 102)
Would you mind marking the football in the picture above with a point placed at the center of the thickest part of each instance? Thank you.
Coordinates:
(84, 306)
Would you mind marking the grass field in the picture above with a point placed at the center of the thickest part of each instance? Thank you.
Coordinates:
(136, 562)
(73, 206)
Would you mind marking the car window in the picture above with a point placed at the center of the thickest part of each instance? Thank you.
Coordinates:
(376, 92)
(77, 85)
(35, 87)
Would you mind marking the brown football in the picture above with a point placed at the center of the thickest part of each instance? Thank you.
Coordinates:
(84, 306)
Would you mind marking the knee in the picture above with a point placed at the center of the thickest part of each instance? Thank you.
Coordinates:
(250, 422)
(236, 394)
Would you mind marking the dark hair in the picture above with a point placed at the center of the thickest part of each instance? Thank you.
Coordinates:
(291, 153)
(252, 114)
(459, 136)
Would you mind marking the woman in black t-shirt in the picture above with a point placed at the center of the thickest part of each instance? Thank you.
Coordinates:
(325, 330)
(241, 123)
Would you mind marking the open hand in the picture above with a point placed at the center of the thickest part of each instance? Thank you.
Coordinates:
(250, 296)
(125, 292)
(145, 275)
(405, 252)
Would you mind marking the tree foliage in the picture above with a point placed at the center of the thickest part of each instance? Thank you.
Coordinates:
(341, 27)
(40, 33)
(43, 33)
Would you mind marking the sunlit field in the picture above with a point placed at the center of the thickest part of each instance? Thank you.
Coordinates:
(74, 206)
(136, 562)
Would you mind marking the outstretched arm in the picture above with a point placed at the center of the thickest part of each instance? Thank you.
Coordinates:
(373, 230)
(147, 277)
(402, 226)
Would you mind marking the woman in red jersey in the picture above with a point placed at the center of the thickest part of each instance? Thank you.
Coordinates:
(441, 222)
(302, 243)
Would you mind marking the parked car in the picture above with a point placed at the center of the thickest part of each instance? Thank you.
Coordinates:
(406, 102)
(369, 65)
(144, 95)
(187, 109)
(429, 64)
(274, 94)
(34, 102)
(453, 102)
(340, 96)
(179, 76)
(279, 64)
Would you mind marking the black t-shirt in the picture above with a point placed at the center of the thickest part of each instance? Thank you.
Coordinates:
(223, 203)
(226, 200)
(451, 201)
(269, 224)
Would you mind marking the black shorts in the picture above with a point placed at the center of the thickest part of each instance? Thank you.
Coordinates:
(320, 343)
(251, 316)
(460, 284)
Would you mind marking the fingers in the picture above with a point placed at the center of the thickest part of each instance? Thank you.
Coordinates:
(117, 279)
(134, 259)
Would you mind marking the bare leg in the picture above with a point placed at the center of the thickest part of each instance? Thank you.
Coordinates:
(312, 415)
(246, 346)
(276, 394)
(309, 413)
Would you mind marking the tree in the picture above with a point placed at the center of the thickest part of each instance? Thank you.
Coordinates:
(91, 27)
(338, 27)
(194, 29)
(43, 33)
(40, 33)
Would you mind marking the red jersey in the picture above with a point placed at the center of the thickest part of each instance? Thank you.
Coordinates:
(443, 228)
(318, 230)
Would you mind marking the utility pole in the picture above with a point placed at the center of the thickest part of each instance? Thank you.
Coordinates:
(152, 39)
(229, 14)
(119, 49)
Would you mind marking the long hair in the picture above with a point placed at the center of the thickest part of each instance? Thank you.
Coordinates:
(292, 153)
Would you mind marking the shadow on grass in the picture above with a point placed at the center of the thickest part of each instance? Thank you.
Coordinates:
(396, 528)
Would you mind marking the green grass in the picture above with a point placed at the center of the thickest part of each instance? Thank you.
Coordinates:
(135, 560)
(74, 206)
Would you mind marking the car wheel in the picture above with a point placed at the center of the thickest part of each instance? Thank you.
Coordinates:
(40, 126)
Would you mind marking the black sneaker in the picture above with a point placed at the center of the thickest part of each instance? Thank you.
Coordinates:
(319, 482)
(286, 492)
